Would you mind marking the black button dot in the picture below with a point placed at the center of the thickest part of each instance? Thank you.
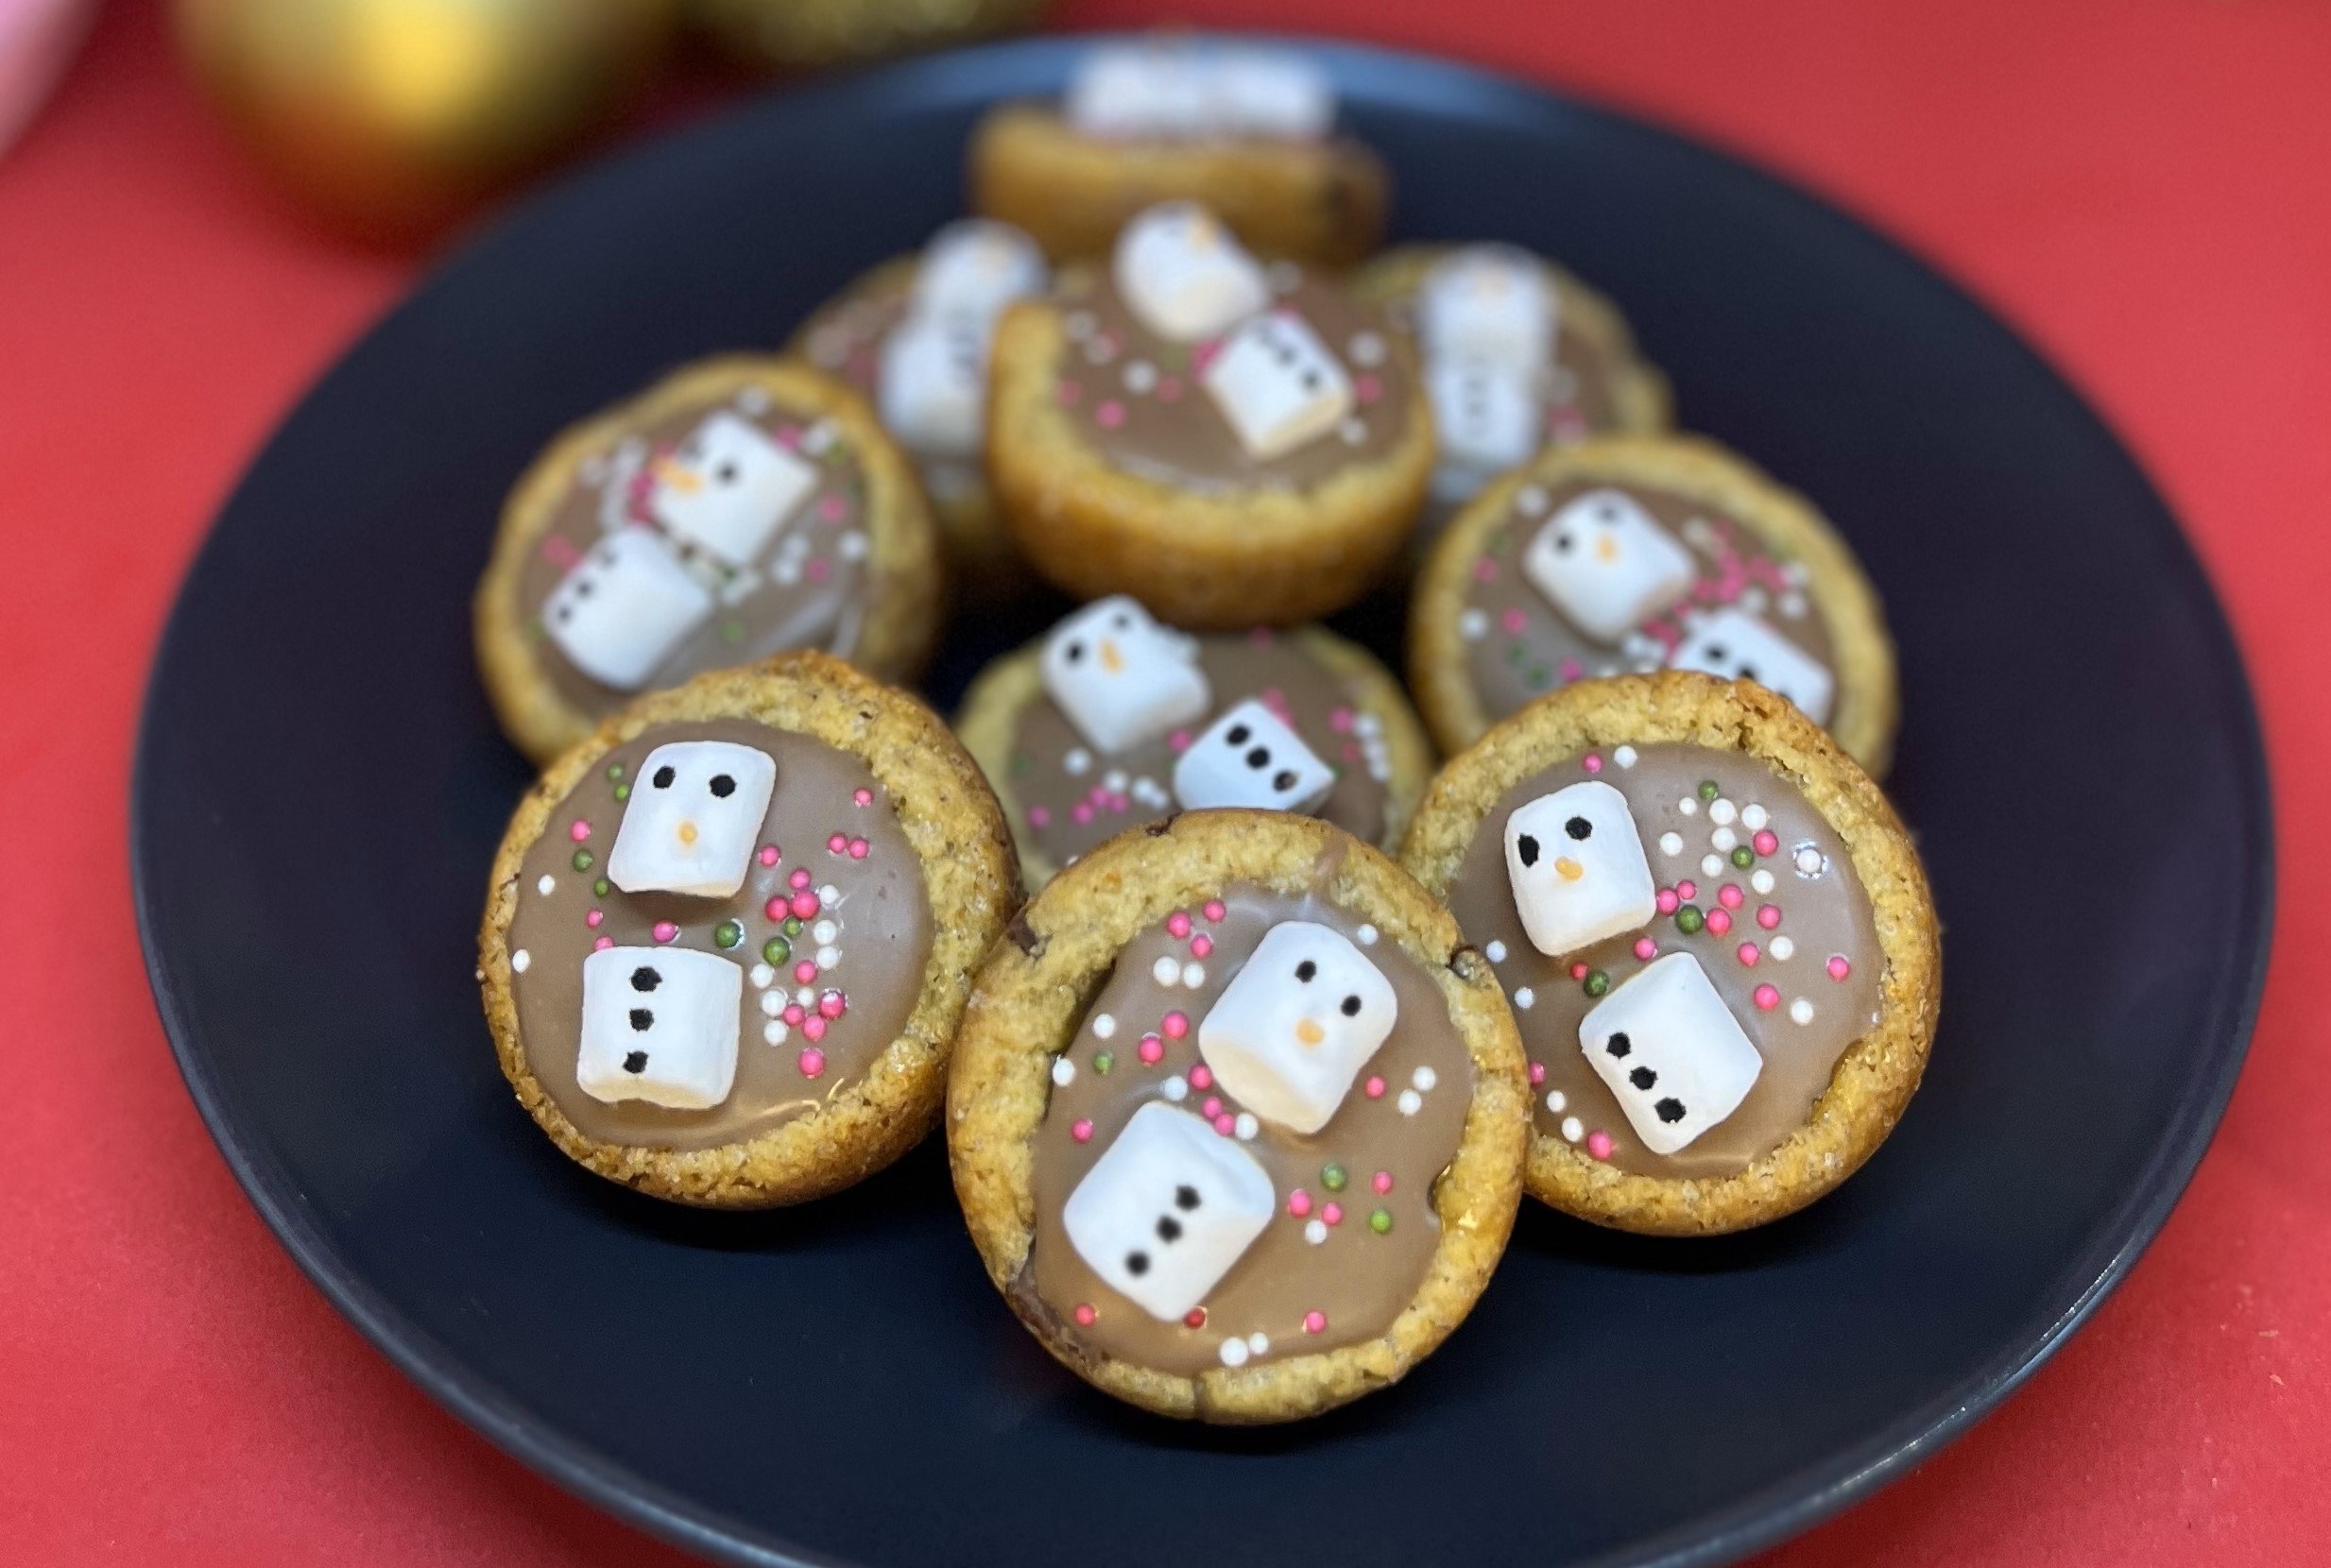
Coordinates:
(636, 1062)
(1169, 1228)
(1137, 1264)
(1259, 757)
(1669, 1110)
(1619, 1045)
(1185, 1197)
(1283, 780)
(1642, 1078)
(642, 1019)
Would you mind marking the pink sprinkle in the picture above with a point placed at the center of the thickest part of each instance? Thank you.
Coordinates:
(1120, 803)
(1152, 1050)
(1717, 922)
(859, 849)
(1071, 393)
(800, 878)
(1484, 571)
(1839, 968)
(1366, 389)
(1168, 388)
(1214, 910)
(1578, 971)
(814, 1027)
(1201, 1077)
(1211, 1109)
(788, 436)
(580, 832)
(1599, 1144)
(1081, 1131)
(1040, 817)
(1201, 944)
(1202, 352)
(1668, 902)
(804, 905)
(1085, 1314)
(804, 972)
(1194, 1317)
(774, 910)
(1176, 1023)
(863, 797)
(818, 569)
(1748, 954)
(1645, 948)
(1177, 923)
(1515, 621)
(593, 918)
(1381, 1182)
(1592, 763)
(813, 1061)
(1571, 670)
(770, 854)
(1225, 1124)
(1764, 842)
(1352, 752)
(1769, 916)
(603, 945)
(1687, 888)
(1299, 1204)
(1109, 414)
(1314, 1321)
(794, 1013)
(1375, 1088)
(832, 1005)
(1179, 739)
(1767, 998)
(1081, 812)
(1538, 1072)
(1331, 1213)
(1729, 895)
(1340, 720)
(835, 844)
(832, 509)
(666, 930)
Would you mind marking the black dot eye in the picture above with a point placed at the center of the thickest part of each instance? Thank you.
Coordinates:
(1283, 780)
(1184, 1197)
(645, 979)
(642, 1019)
(1305, 970)
(1716, 650)
(1237, 735)
(582, 588)
(1259, 757)
(1748, 671)
(726, 473)
(664, 775)
(1642, 1078)
(1122, 621)
(1562, 544)
(1670, 1109)
(1352, 1007)
(636, 1062)
(1608, 513)
(723, 786)
(1137, 1264)
(1527, 848)
(1169, 1228)
(1074, 652)
(1619, 1045)
(566, 613)
(1579, 828)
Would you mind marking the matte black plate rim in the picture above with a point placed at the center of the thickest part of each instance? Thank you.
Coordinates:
(1755, 1522)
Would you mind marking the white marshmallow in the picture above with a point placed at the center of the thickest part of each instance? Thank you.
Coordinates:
(1485, 416)
(1277, 384)
(974, 268)
(1577, 867)
(1489, 302)
(1184, 275)
(1606, 565)
(1671, 1051)
(1119, 676)
(933, 387)
(1268, 93)
(1296, 1024)
(694, 819)
(1167, 1209)
(1141, 91)
(622, 610)
(1735, 644)
(728, 488)
(659, 1024)
(1248, 758)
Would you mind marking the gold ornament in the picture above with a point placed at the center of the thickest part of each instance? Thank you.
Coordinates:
(804, 34)
(392, 117)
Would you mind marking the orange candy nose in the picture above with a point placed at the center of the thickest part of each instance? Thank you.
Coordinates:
(1112, 660)
(1606, 548)
(1568, 869)
(1309, 1032)
(688, 832)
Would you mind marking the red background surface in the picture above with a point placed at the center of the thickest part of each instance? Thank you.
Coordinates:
(2144, 188)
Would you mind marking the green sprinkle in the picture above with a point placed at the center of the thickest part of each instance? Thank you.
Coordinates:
(1515, 653)
(602, 887)
(731, 632)
(615, 772)
(1103, 1061)
(1596, 982)
(1688, 919)
(777, 950)
(1333, 1178)
(1541, 676)
(582, 859)
(1708, 789)
(793, 926)
(622, 792)
(1743, 855)
(728, 935)
(1380, 1222)
(1020, 762)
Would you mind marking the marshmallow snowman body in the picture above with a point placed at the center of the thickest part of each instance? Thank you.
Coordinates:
(659, 1024)
(1577, 867)
(1249, 758)
(933, 388)
(1119, 676)
(1735, 644)
(1606, 565)
(729, 488)
(1270, 94)
(1485, 415)
(694, 819)
(1183, 274)
(1129, 91)
(1671, 1051)
(1488, 303)
(1167, 1209)
(1277, 384)
(622, 610)
(974, 268)
(1296, 1024)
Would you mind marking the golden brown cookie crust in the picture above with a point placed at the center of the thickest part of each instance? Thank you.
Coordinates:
(1031, 995)
(903, 581)
(1207, 562)
(948, 817)
(1641, 397)
(1318, 202)
(1863, 719)
(1878, 1073)
(989, 719)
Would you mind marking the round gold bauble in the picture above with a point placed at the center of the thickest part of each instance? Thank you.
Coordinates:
(791, 35)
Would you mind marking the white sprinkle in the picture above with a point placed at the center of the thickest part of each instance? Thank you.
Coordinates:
(762, 976)
(818, 439)
(1367, 936)
(1176, 1087)
(1141, 376)
(851, 546)
(752, 400)
(1076, 761)
(1246, 1127)
(1624, 756)
(1365, 723)
(828, 957)
(824, 932)
(520, 960)
(806, 996)
(547, 883)
(1793, 606)
(1523, 997)
(1258, 1342)
(1316, 1232)
(1810, 861)
(1099, 350)
(1496, 951)
(1711, 865)
(1721, 811)
(1802, 1010)
(1670, 844)
(1473, 624)
(829, 895)
(773, 1002)
(1167, 971)
(1754, 816)
(1064, 1071)
(1078, 324)
(1557, 1102)
(1574, 1129)
(1781, 949)
(1366, 349)
(1689, 805)
(1761, 879)
(1115, 781)
(1425, 1078)
(1409, 1102)
(1234, 1352)
(775, 1031)
(1530, 500)
(1193, 975)
(1724, 838)
(1353, 432)
(1104, 1025)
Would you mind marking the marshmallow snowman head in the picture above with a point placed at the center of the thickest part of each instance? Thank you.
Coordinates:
(1606, 565)
(1121, 677)
(1277, 384)
(1183, 274)
(1248, 758)
(1269, 93)
(974, 268)
(1672, 1052)
(1289, 1034)
(1165, 1212)
(1124, 92)
(727, 488)
(694, 819)
(1485, 415)
(933, 388)
(1735, 644)
(659, 1024)
(623, 608)
(1577, 867)
(1490, 303)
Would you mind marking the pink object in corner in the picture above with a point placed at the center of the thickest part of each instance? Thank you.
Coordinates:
(37, 38)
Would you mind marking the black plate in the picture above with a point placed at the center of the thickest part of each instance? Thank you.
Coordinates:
(320, 790)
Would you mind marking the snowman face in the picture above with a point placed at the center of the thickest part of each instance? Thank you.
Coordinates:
(1289, 1034)
(1167, 1209)
(1606, 565)
(1123, 91)
(1736, 645)
(1485, 415)
(933, 390)
(971, 269)
(694, 819)
(1180, 271)
(1121, 677)
(1577, 867)
(659, 1024)
(1672, 1052)
(728, 488)
(1488, 303)
(624, 608)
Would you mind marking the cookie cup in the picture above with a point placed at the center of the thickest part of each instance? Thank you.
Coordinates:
(951, 820)
(1876, 1077)
(1031, 997)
